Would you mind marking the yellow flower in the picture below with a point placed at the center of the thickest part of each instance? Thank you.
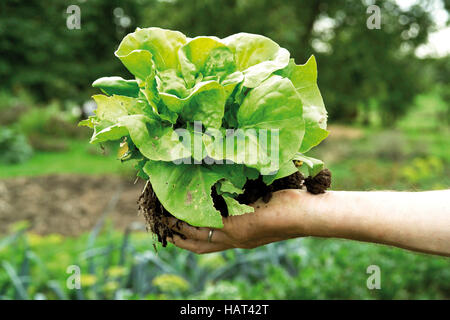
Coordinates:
(211, 260)
(54, 238)
(34, 239)
(111, 286)
(117, 271)
(88, 280)
(170, 282)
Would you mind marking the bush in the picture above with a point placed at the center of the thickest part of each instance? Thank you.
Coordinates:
(12, 106)
(14, 146)
(48, 121)
(47, 127)
(387, 145)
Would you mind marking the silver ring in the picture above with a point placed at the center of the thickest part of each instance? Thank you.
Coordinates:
(210, 234)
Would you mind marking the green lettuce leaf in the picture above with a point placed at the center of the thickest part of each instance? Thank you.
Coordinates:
(150, 92)
(256, 56)
(109, 110)
(235, 208)
(112, 108)
(234, 173)
(185, 191)
(171, 83)
(314, 165)
(205, 103)
(285, 170)
(110, 133)
(226, 186)
(117, 86)
(208, 57)
(304, 79)
(153, 139)
(139, 50)
(273, 105)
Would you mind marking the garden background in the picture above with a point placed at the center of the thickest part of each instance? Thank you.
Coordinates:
(64, 202)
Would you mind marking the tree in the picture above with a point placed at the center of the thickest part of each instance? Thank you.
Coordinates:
(41, 54)
(359, 69)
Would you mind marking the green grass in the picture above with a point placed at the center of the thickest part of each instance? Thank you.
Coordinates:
(79, 158)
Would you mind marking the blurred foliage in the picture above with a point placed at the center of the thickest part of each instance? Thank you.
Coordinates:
(385, 145)
(47, 127)
(360, 70)
(14, 147)
(13, 105)
(117, 265)
(413, 155)
(41, 54)
(369, 78)
(77, 157)
(49, 120)
(41, 128)
(429, 112)
(422, 169)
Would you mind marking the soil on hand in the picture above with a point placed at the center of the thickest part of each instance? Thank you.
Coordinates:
(156, 216)
(320, 183)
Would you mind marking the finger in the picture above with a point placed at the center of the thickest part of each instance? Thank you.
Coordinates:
(196, 246)
(195, 233)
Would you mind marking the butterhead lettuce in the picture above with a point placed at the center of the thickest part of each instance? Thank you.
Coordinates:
(205, 113)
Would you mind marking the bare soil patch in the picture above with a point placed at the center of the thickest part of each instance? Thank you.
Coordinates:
(68, 204)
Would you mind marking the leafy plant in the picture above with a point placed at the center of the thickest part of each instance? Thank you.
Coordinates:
(14, 145)
(244, 89)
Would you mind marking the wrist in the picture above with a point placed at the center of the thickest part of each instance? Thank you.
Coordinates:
(297, 213)
(316, 215)
(291, 215)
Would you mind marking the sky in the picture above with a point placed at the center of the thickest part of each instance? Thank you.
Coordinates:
(438, 42)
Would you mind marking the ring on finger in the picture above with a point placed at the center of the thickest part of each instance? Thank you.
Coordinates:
(210, 234)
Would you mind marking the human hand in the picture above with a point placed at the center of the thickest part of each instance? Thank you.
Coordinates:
(272, 221)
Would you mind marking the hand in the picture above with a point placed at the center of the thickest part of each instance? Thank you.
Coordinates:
(270, 222)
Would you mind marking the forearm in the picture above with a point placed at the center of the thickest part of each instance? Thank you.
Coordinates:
(417, 221)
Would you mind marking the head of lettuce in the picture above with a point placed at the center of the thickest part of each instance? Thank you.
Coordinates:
(205, 113)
